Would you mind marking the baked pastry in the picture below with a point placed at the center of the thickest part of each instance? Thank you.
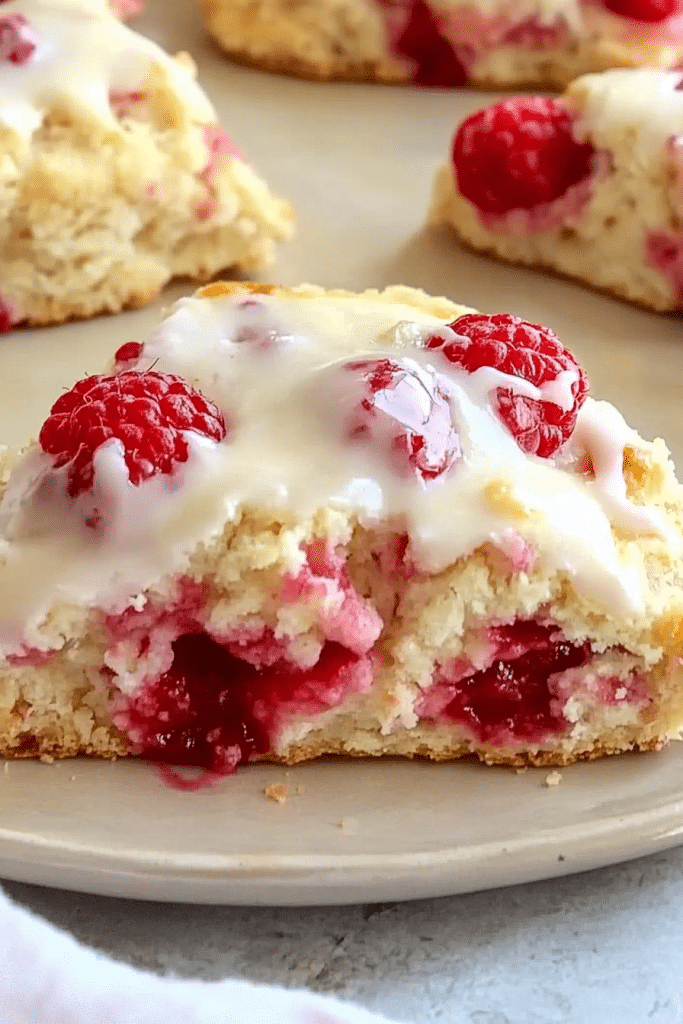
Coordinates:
(297, 522)
(445, 43)
(114, 174)
(590, 184)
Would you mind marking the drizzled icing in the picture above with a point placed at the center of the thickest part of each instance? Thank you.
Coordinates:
(610, 105)
(276, 368)
(83, 55)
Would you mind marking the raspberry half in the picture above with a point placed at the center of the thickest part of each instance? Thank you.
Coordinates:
(18, 41)
(148, 413)
(519, 154)
(520, 349)
(650, 11)
(130, 352)
(404, 413)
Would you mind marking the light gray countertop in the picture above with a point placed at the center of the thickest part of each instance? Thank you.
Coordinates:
(604, 947)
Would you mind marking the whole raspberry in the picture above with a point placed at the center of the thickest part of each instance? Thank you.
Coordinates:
(519, 154)
(147, 412)
(18, 41)
(650, 11)
(403, 412)
(525, 350)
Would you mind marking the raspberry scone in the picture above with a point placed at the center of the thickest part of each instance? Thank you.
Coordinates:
(115, 176)
(449, 43)
(589, 185)
(297, 522)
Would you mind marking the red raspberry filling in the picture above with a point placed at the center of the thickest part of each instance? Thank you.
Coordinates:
(519, 154)
(520, 349)
(18, 41)
(148, 413)
(215, 711)
(510, 701)
(404, 414)
(127, 104)
(220, 147)
(419, 41)
(9, 315)
(665, 252)
(649, 11)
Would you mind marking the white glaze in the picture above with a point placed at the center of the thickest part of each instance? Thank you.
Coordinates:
(641, 108)
(284, 402)
(84, 54)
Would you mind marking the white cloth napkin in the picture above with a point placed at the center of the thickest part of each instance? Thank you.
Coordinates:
(46, 977)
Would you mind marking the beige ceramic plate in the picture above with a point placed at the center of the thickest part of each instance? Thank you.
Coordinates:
(357, 161)
(347, 831)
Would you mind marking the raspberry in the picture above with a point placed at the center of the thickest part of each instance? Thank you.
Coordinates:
(650, 11)
(128, 353)
(436, 63)
(525, 350)
(147, 412)
(8, 312)
(18, 41)
(404, 412)
(519, 154)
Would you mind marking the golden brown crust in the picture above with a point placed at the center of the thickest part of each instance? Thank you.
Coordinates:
(339, 70)
(439, 307)
(368, 72)
(462, 751)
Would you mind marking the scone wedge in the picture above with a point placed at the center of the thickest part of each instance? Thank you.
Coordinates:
(296, 522)
(589, 185)
(493, 44)
(115, 176)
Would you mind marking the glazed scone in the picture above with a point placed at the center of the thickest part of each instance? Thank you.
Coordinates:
(297, 522)
(589, 185)
(488, 43)
(115, 176)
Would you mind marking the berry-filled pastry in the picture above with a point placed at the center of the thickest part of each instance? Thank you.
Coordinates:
(296, 522)
(446, 42)
(115, 176)
(590, 184)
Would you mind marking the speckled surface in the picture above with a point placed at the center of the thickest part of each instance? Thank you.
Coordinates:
(605, 946)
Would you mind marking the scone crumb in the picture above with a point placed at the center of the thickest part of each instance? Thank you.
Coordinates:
(277, 791)
(349, 825)
(300, 790)
(553, 779)
(522, 771)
